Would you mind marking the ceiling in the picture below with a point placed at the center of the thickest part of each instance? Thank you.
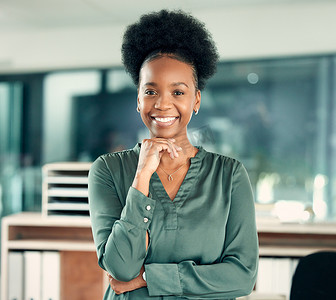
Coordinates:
(37, 14)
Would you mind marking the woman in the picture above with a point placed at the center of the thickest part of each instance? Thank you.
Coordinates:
(171, 220)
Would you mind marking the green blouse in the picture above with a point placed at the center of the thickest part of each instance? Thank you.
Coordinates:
(203, 245)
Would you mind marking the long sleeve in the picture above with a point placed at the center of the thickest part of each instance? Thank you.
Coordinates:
(118, 225)
(235, 273)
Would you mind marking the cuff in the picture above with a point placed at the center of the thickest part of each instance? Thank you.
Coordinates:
(138, 210)
(163, 279)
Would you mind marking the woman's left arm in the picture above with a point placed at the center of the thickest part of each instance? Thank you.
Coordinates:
(235, 274)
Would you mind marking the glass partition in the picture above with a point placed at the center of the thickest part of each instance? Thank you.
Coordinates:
(274, 116)
(11, 183)
(277, 116)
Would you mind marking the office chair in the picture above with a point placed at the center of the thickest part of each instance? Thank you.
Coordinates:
(315, 277)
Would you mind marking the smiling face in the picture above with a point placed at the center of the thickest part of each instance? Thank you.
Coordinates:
(167, 97)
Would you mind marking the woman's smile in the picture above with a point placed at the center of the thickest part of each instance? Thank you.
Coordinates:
(164, 121)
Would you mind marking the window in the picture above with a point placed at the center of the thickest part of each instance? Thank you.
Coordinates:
(277, 116)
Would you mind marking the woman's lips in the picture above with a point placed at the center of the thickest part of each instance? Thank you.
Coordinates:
(164, 121)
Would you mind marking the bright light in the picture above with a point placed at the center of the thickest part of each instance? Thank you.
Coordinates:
(265, 187)
(290, 211)
(305, 216)
(319, 204)
(320, 181)
(252, 78)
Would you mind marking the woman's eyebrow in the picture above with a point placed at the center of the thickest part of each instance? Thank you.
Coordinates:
(150, 83)
(173, 84)
(179, 83)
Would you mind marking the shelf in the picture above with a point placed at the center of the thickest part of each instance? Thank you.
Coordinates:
(68, 206)
(37, 219)
(291, 251)
(70, 237)
(65, 166)
(67, 180)
(58, 245)
(64, 184)
(262, 296)
(273, 225)
(68, 192)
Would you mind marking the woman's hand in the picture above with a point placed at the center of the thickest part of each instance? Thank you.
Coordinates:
(152, 151)
(149, 159)
(120, 287)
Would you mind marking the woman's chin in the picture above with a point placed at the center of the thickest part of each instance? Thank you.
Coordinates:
(163, 136)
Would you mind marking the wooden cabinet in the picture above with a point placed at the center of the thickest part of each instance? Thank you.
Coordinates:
(81, 277)
(293, 239)
(281, 246)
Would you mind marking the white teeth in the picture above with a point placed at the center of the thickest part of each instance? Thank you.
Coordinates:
(164, 119)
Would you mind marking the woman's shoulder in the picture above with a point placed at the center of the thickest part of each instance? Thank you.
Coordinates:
(218, 158)
(117, 160)
(121, 154)
(228, 165)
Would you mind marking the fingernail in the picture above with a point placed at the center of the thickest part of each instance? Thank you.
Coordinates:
(179, 148)
(173, 140)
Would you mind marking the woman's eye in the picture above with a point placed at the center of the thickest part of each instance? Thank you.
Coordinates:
(149, 92)
(178, 93)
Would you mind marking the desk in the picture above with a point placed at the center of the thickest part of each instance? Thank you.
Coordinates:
(73, 238)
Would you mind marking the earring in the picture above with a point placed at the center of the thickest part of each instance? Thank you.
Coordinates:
(196, 111)
(138, 109)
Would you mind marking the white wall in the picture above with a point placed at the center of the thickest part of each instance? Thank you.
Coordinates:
(274, 30)
(59, 48)
(240, 32)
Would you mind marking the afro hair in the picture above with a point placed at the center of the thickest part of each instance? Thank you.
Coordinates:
(170, 32)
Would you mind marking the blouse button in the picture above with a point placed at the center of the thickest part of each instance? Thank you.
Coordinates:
(145, 220)
(148, 207)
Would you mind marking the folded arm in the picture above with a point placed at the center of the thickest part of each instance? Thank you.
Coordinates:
(235, 273)
(119, 232)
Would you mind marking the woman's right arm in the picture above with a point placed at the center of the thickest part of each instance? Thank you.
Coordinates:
(119, 232)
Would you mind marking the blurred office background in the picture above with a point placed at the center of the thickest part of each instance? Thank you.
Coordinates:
(64, 95)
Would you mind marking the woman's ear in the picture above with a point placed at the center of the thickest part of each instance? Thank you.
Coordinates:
(197, 100)
(138, 104)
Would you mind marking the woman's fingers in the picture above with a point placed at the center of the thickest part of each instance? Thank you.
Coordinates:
(168, 145)
(174, 148)
(152, 151)
(177, 149)
(163, 146)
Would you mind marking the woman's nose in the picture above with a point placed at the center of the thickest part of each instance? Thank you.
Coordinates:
(163, 102)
